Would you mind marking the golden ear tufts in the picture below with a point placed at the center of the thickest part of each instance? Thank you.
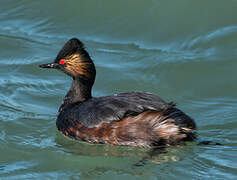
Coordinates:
(77, 66)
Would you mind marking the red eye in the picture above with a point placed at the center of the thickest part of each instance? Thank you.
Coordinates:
(62, 61)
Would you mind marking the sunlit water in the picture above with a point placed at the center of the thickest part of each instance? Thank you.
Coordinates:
(185, 51)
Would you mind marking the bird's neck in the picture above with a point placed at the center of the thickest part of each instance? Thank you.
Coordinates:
(79, 92)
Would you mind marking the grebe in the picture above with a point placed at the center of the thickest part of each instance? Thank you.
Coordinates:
(133, 119)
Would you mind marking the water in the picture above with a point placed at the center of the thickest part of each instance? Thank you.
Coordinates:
(185, 51)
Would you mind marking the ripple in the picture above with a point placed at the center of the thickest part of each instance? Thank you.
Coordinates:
(209, 41)
(16, 166)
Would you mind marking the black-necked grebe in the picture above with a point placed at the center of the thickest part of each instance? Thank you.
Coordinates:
(134, 119)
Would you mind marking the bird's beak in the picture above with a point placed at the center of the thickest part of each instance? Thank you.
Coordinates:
(50, 65)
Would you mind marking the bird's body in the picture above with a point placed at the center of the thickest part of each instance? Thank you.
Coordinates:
(134, 119)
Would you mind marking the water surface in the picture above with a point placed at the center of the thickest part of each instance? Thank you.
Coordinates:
(185, 51)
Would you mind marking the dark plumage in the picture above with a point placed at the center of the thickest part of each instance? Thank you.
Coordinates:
(135, 118)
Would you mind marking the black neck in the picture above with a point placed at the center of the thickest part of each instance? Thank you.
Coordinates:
(79, 92)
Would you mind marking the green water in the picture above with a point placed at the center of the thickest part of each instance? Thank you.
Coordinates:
(185, 51)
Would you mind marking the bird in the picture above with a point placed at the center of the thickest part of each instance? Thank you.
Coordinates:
(135, 119)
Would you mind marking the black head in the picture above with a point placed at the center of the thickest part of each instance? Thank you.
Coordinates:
(74, 60)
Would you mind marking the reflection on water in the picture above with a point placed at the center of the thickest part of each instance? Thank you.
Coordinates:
(143, 155)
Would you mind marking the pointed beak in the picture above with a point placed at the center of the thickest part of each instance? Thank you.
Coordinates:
(50, 65)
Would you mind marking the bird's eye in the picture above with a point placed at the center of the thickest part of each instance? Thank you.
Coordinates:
(61, 61)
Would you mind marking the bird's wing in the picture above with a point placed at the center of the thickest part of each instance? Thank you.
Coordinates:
(114, 108)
